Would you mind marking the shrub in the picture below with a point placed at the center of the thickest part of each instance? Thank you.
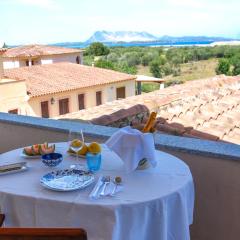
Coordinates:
(223, 66)
(155, 69)
(104, 64)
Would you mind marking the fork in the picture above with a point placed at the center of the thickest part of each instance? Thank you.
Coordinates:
(106, 180)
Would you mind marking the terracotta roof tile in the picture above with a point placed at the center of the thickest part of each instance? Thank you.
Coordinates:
(167, 115)
(37, 50)
(204, 135)
(170, 129)
(60, 77)
(3, 50)
(212, 131)
(207, 109)
(120, 114)
(232, 139)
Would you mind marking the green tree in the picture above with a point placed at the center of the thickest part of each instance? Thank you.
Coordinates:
(223, 66)
(124, 67)
(112, 57)
(176, 71)
(167, 69)
(5, 45)
(101, 63)
(235, 61)
(98, 49)
(88, 60)
(155, 69)
(132, 58)
(146, 59)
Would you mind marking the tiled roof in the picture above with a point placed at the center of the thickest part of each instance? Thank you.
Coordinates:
(2, 50)
(60, 77)
(37, 50)
(207, 109)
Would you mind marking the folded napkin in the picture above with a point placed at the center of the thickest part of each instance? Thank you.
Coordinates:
(132, 146)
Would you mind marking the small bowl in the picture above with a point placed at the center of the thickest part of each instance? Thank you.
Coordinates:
(52, 159)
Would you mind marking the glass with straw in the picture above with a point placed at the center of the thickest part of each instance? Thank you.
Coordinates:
(76, 143)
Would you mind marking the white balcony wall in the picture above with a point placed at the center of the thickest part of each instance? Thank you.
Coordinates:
(216, 179)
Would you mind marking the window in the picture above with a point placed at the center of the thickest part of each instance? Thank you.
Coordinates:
(32, 62)
(78, 60)
(13, 111)
(121, 92)
(63, 106)
(98, 98)
(44, 109)
(81, 104)
(27, 63)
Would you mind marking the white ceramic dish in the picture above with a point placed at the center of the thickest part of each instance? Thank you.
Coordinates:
(67, 180)
(23, 155)
(13, 168)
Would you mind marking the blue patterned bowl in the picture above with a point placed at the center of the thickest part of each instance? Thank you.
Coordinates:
(52, 159)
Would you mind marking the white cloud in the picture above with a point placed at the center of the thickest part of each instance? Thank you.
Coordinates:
(186, 3)
(46, 4)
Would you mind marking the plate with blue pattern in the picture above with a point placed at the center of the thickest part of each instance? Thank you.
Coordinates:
(67, 180)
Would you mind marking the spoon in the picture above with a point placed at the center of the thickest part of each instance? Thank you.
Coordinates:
(106, 180)
(117, 181)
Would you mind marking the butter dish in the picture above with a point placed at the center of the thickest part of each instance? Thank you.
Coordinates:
(13, 168)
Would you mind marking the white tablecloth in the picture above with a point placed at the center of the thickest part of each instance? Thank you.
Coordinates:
(155, 204)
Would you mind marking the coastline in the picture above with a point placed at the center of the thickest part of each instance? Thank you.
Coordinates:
(156, 44)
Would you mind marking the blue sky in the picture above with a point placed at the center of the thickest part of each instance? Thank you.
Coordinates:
(48, 21)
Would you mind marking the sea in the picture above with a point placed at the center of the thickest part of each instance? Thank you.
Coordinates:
(138, 44)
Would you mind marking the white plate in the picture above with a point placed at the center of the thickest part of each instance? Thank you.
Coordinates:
(67, 180)
(13, 168)
(30, 157)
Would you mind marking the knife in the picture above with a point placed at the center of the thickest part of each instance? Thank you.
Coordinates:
(12, 167)
(96, 190)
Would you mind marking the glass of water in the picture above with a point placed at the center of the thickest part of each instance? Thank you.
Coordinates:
(93, 161)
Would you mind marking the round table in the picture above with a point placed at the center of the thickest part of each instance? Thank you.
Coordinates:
(155, 203)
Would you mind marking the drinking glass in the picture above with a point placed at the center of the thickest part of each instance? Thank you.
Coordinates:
(93, 161)
(73, 135)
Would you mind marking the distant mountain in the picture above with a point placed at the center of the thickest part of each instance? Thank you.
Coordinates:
(131, 36)
(121, 36)
(143, 39)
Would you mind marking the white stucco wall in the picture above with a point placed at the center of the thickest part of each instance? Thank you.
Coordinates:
(69, 57)
(13, 95)
(46, 61)
(108, 94)
(8, 63)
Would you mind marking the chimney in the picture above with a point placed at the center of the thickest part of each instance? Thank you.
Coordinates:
(1, 65)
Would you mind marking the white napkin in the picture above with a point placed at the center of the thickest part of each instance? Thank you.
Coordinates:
(131, 146)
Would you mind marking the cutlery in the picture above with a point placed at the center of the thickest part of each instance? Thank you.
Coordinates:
(117, 181)
(94, 193)
(106, 180)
